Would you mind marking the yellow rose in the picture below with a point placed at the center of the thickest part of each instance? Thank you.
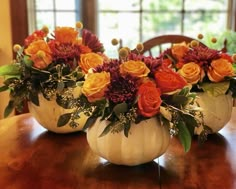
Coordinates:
(39, 53)
(95, 85)
(191, 72)
(90, 60)
(179, 49)
(219, 69)
(134, 68)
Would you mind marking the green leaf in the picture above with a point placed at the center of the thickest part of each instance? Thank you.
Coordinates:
(10, 107)
(179, 99)
(120, 108)
(60, 86)
(184, 136)
(3, 88)
(90, 121)
(216, 89)
(63, 119)
(34, 98)
(127, 128)
(190, 122)
(12, 69)
(184, 91)
(27, 61)
(107, 129)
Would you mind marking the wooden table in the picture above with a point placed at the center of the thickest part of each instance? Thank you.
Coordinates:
(33, 158)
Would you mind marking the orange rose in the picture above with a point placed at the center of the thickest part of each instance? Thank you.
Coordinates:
(191, 72)
(95, 86)
(90, 60)
(219, 69)
(134, 68)
(66, 34)
(179, 49)
(169, 81)
(39, 53)
(149, 100)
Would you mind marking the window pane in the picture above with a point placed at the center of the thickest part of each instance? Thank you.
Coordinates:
(113, 25)
(45, 18)
(162, 5)
(66, 19)
(65, 5)
(118, 5)
(154, 24)
(44, 4)
(203, 23)
(206, 5)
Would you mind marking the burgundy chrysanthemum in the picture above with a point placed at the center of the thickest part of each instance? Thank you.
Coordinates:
(122, 89)
(64, 52)
(201, 55)
(112, 67)
(92, 41)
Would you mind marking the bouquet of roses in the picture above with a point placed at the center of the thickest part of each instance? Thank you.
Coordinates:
(209, 70)
(134, 88)
(51, 64)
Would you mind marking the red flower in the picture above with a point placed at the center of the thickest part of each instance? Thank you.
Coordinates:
(169, 81)
(37, 35)
(227, 57)
(149, 100)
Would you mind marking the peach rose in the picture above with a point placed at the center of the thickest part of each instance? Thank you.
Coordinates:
(39, 53)
(179, 49)
(219, 69)
(169, 81)
(66, 34)
(90, 60)
(191, 72)
(149, 100)
(134, 68)
(95, 86)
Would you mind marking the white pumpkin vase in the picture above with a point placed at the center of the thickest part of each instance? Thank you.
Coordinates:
(145, 142)
(216, 110)
(48, 113)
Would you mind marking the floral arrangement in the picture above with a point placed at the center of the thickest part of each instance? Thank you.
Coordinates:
(206, 69)
(51, 64)
(133, 88)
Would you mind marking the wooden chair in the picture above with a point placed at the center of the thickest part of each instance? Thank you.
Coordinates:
(156, 45)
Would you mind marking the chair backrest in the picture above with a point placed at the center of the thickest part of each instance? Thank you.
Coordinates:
(156, 45)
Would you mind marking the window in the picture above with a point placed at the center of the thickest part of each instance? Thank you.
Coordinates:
(135, 21)
(54, 13)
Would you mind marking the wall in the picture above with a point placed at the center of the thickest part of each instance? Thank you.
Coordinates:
(5, 46)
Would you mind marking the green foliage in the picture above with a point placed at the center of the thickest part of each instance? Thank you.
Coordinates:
(63, 119)
(10, 70)
(184, 136)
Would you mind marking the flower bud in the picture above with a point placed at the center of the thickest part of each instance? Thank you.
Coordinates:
(200, 36)
(41, 54)
(139, 47)
(114, 42)
(194, 43)
(123, 52)
(213, 40)
(16, 47)
(79, 25)
(45, 29)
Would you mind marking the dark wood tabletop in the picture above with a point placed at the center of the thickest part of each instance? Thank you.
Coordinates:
(33, 158)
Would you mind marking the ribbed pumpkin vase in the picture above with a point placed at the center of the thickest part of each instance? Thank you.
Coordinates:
(216, 110)
(146, 141)
(48, 113)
